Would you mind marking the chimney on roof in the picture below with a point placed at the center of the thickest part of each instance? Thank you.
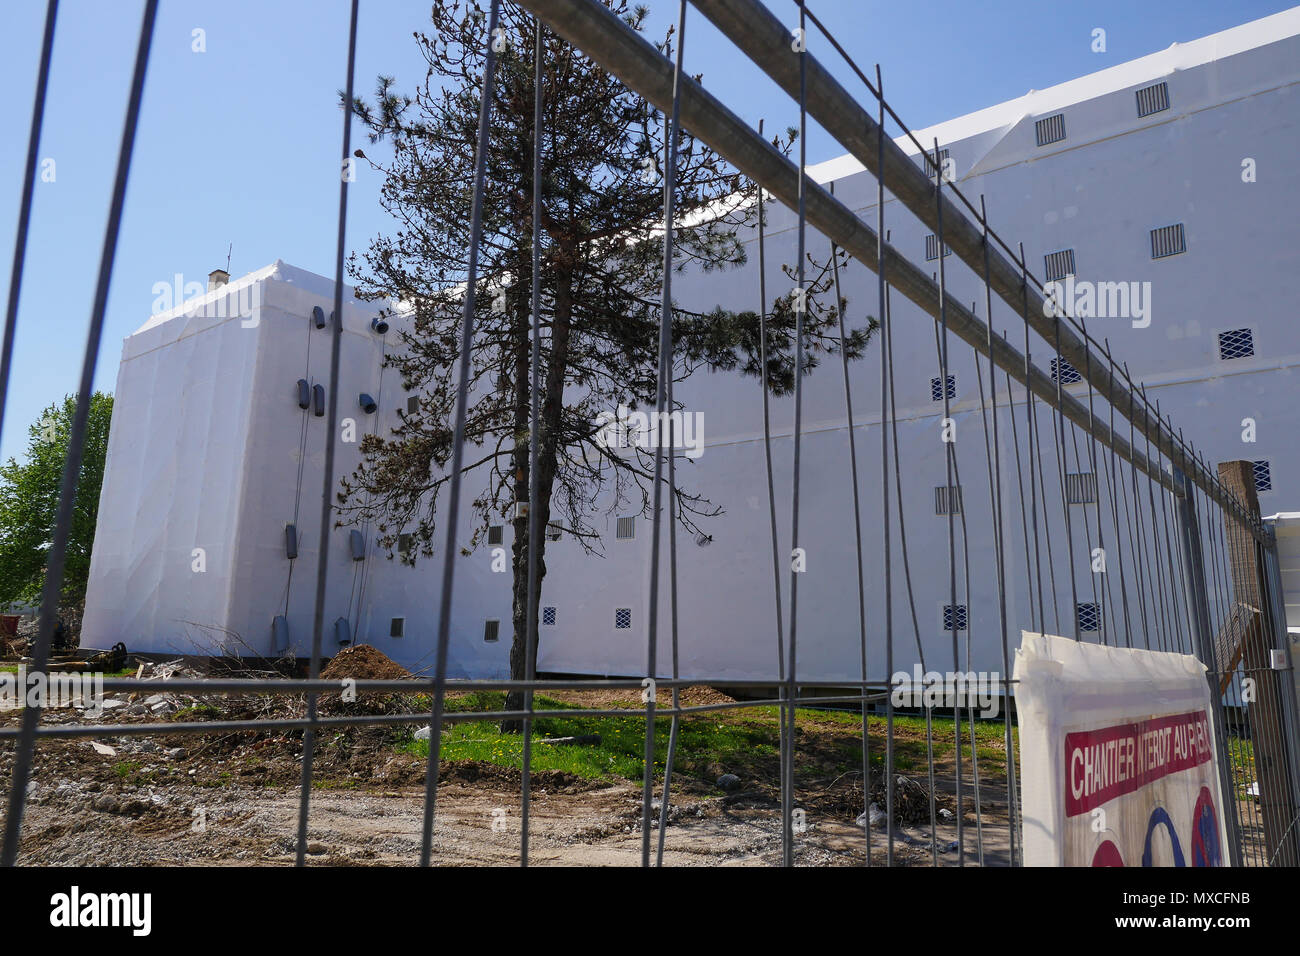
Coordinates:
(217, 278)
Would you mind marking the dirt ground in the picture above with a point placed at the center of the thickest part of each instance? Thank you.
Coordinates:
(232, 799)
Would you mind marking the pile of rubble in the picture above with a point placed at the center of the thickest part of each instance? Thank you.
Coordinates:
(155, 705)
(67, 627)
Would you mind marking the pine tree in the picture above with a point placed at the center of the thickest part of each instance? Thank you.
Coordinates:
(601, 280)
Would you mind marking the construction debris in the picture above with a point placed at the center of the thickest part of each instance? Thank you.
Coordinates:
(911, 800)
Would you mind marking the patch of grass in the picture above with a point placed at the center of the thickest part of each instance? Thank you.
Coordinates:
(743, 741)
(125, 672)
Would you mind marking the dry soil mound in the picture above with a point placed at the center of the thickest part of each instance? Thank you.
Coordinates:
(363, 662)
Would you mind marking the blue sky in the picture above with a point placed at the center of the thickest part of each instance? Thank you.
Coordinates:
(239, 144)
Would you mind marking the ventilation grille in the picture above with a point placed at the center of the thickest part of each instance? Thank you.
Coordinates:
(954, 615)
(548, 616)
(1081, 489)
(947, 500)
(1167, 241)
(626, 528)
(1238, 343)
(491, 631)
(553, 531)
(1263, 476)
(1088, 616)
(412, 404)
(397, 627)
(403, 544)
(1050, 129)
(1153, 99)
(932, 247)
(934, 168)
(1066, 372)
(496, 533)
(938, 393)
(622, 618)
(1058, 265)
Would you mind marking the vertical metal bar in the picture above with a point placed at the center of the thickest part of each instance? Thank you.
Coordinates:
(787, 790)
(1277, 788)
(970, 709)
(1275, 601)
(665, 373)
(327, 490)
(1193, 562)
(25, 203)
(1161, 544)
(1131, 521)
(782, 742)
(458, 441)
(1036, 622)
(952, 498)
(675, 725)
(1106, 608)
(857, 530)
(1087, 531)
(885, 418)
(534, 436)
(1058, 434)
(902, 540)
(999, 539)
(1180, 586)
(1113, 488)
(1036, 438)
(1223, 552)
(1029, 436)
(1150, 575)
(1155, 535)
(58, 551)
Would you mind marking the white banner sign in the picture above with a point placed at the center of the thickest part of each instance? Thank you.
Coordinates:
(1118, 763)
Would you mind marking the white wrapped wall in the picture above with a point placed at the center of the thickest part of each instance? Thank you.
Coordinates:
(204, 446)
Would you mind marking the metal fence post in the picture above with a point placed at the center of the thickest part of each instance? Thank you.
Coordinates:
(1279, 639)
(1198, 611)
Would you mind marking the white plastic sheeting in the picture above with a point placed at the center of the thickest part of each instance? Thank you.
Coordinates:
(203, 474)
(204, 448)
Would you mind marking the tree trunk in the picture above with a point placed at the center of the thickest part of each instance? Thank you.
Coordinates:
(547, 465)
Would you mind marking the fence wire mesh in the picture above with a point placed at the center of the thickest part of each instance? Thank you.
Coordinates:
(1097, 467)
